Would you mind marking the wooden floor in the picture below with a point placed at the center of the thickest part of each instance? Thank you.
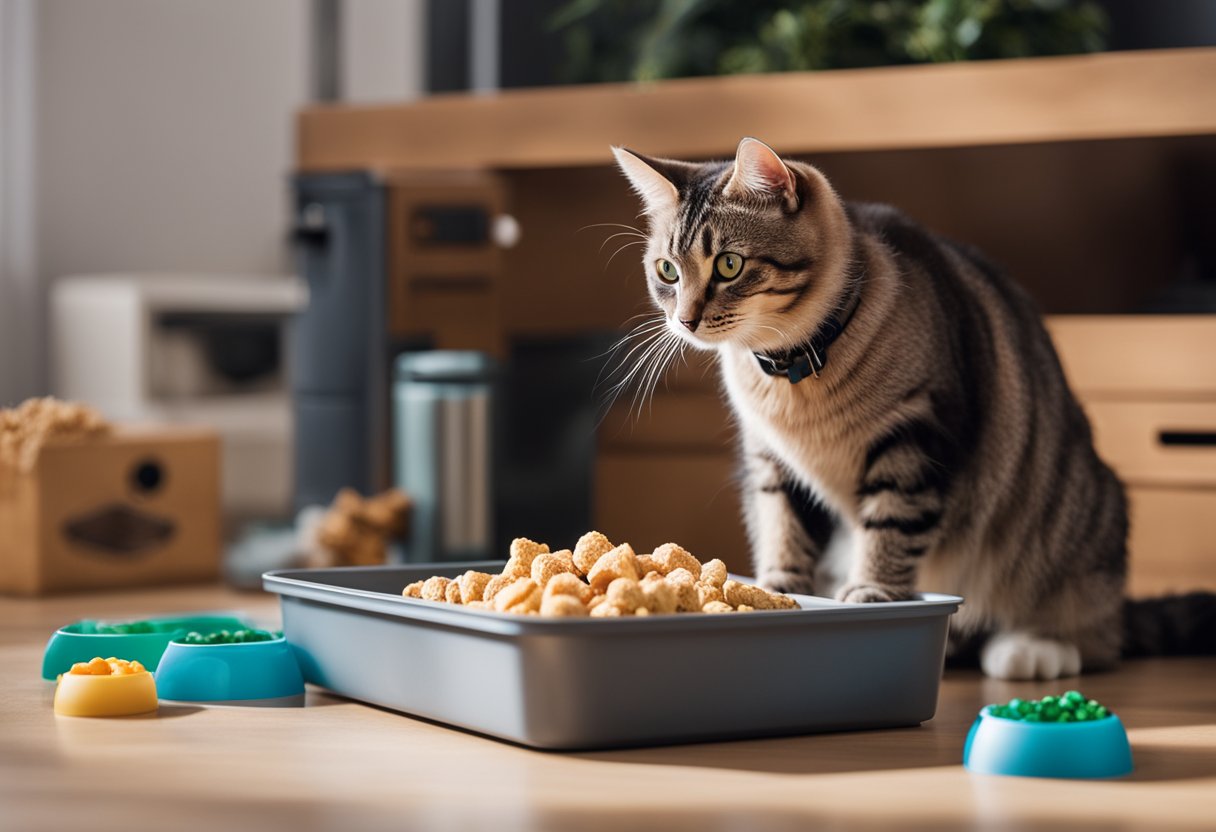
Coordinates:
(336, 764)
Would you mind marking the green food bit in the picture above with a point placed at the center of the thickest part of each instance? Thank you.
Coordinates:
(126, 628)
(225, 637)
(1069, 707)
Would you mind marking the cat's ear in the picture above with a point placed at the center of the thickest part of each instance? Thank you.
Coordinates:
(648, 178)
(759, 171)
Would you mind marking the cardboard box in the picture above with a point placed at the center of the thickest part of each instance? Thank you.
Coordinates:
(133, 508)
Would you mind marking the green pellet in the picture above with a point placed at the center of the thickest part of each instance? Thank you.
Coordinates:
(1071, 706)
(225, 637)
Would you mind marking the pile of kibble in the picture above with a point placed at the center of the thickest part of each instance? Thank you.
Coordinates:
(225, 637)
(1071, 707)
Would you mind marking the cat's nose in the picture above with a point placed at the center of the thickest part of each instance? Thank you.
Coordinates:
(691, 323)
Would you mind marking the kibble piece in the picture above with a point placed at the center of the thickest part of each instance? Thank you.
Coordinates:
(621, 562)
(753, 596)
(590, 548)
(708, 592)
(519, 594)
(413, 590)
(625, 594)
(479, 605)
(529, 606)
(661, 597)
(717, 606)
(563, 606)
(682, 581)
(597, 601)
(647, 565)
(435, 588)
(782, 602)
(107, 667)
(452, 593)
(606, 610)
(671, 556)
(714, 572)
(640, 611)
(523, 552)
(569, 584)
(546, 566)
(473, 585)
(744, 608)
(496, 585)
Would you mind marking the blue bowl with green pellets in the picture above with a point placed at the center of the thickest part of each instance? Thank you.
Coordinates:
(1067, 736)
(243, 666)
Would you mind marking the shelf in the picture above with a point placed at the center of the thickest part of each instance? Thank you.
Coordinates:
(1103, 96)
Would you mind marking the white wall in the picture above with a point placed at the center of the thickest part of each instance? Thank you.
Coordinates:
(165, 133)
(22, 360)
(158, 135)
(381, 49)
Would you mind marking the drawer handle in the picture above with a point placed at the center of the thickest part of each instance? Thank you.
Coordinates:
(1188, 438)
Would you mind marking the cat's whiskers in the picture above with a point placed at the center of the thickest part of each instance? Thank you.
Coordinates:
(658, 370)
(784, 337)
(611, 224)
(643, 367)
(622, 248)
(621, 234)
(647, 345)
(650, 325)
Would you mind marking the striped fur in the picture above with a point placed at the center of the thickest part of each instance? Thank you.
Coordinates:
(941, 433)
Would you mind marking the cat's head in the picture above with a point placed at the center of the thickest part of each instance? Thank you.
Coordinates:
(750, 252)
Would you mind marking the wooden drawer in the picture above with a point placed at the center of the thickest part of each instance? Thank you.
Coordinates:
(649, 498)
(1173, 540)
(1137, 356)
(1157, 442)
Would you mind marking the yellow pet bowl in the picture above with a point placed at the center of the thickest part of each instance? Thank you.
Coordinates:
(115, 694)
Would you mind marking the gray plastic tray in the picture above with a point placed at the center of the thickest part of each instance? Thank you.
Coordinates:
(600, 683)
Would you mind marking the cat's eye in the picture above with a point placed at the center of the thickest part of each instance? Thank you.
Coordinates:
(667, 271)
(728, 265)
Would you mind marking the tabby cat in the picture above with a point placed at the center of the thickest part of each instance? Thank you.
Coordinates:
(891, 384)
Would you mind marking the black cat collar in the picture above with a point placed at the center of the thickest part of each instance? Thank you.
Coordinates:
(811, 356)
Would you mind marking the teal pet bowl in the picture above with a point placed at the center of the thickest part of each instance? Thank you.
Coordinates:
(1073, 750)
(82, 641)
(228, 672)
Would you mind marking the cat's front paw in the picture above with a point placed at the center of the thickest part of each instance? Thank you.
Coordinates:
(1023, 656)
(872, 594)
(787, 583)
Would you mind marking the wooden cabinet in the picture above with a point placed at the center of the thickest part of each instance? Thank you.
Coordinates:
(1148, 384)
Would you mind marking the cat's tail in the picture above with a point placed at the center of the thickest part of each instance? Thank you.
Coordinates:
(1173, 625)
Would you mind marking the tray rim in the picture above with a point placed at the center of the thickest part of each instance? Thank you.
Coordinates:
(289, 583)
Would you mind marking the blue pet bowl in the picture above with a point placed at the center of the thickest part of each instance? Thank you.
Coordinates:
(227, 672)
(1073, 750)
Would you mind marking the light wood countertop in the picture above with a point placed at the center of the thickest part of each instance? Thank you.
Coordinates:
(336, 764)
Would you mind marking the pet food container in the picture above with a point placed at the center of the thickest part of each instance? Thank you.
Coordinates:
(120, 695)
(601, 683)
(1074, 750)
(255, 670)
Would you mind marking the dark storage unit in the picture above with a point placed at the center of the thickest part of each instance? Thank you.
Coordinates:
(340, 369)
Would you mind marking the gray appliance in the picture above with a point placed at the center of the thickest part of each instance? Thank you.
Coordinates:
(340, 375)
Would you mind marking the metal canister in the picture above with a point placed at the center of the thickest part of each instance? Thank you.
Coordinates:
(443, 415)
